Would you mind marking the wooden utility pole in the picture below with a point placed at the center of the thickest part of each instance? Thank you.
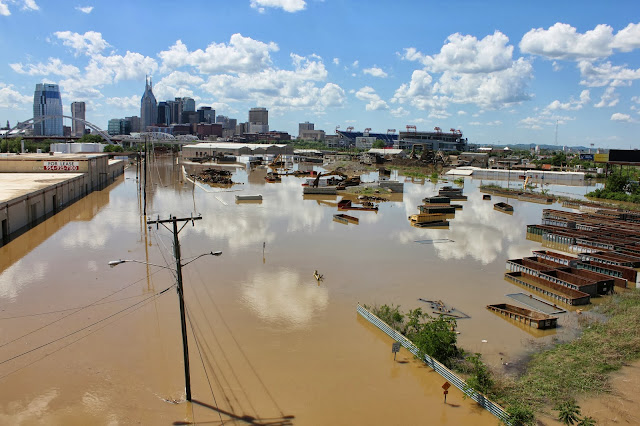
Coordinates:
(145, 175)
(176, 250)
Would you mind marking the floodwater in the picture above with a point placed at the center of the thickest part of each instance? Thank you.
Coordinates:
(83, 343)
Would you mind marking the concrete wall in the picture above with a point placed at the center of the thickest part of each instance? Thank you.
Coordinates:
(27, 209)
(24, 211)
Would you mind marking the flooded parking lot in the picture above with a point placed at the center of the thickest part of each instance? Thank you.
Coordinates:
(85, 343)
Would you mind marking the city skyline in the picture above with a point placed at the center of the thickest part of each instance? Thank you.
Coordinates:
(502, 73)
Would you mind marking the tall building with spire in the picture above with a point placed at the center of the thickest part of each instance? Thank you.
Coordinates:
(148, 107)
(47, 101)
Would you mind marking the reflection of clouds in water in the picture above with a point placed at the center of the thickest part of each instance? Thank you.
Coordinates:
(32, 413)
(251, 224)
(118, 214)
(283, 297)
(478, 231)
(300, 215)
(18, 275)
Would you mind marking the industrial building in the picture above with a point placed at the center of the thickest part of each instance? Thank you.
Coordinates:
(33, 186)
(236, 149)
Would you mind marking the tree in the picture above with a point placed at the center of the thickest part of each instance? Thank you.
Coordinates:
(480, 379)
(520, 415)
(91, 139)
(568, 412)
(433, 336)
(378, 144)
(587, 421)
(113, 148)
(617, 183)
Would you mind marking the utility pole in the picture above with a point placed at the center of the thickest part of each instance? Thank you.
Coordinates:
(145, 175)
(176, 250)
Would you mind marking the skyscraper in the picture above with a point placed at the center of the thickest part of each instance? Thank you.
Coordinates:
(47, 101)
(207, 114)
(164, 113)
(148, 107)
(189, 104)
(77, 111)
(258, 120)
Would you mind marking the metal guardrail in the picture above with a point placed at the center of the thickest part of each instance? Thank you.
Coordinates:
(484, 402)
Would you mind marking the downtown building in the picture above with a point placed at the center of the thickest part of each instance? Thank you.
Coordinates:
(47, 101)
(258, 120)
(78, 110)
(148, 107)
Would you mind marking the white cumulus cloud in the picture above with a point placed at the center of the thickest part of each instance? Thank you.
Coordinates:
(562, 41)
(286, 5)
(467, 54)
(375, 71)
(28, 5)
(572, 105)
(472, 71)
(621, 117)
(375, 103)
(628, 38)
(89, 43)
(84, 9)
(606, 74)
(54, 66)
(11, 98)
(609, 98)
(242, 54)
(125, 103)
(278, 88)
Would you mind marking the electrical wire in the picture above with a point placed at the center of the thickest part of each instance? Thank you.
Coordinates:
(73, 313)
(83, 328)
(69, 309)
(86, 335)
(244, 355)
(195, 338)
(215, 366)
(224, 356)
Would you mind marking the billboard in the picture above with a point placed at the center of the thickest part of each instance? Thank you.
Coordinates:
(601, 158)
(588, 157)
(627, 156)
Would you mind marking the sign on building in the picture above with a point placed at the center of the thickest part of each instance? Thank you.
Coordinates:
(62, 166)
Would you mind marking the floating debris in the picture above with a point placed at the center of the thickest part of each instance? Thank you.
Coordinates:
(215, 176)
(436, 241)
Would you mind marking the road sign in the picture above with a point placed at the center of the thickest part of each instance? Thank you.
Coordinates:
(395, 348)
(446, 386)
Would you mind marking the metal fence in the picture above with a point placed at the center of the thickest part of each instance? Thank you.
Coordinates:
(484, 402)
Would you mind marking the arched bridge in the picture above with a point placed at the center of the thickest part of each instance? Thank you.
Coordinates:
(22, 126)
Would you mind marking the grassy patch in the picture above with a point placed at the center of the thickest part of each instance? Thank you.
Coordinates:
(553, 377)
(581, 367)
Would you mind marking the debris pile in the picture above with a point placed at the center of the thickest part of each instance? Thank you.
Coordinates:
(219, 177)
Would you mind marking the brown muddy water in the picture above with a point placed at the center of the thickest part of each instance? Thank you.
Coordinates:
(83, 343)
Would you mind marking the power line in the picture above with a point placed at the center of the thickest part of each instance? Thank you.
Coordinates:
(224, 355)
(80, 338)
(195, 338)
(244, 355)
(69, 309)
(73, 313)
(83, 328)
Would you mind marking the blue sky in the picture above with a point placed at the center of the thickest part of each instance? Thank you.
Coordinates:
(501, 72)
